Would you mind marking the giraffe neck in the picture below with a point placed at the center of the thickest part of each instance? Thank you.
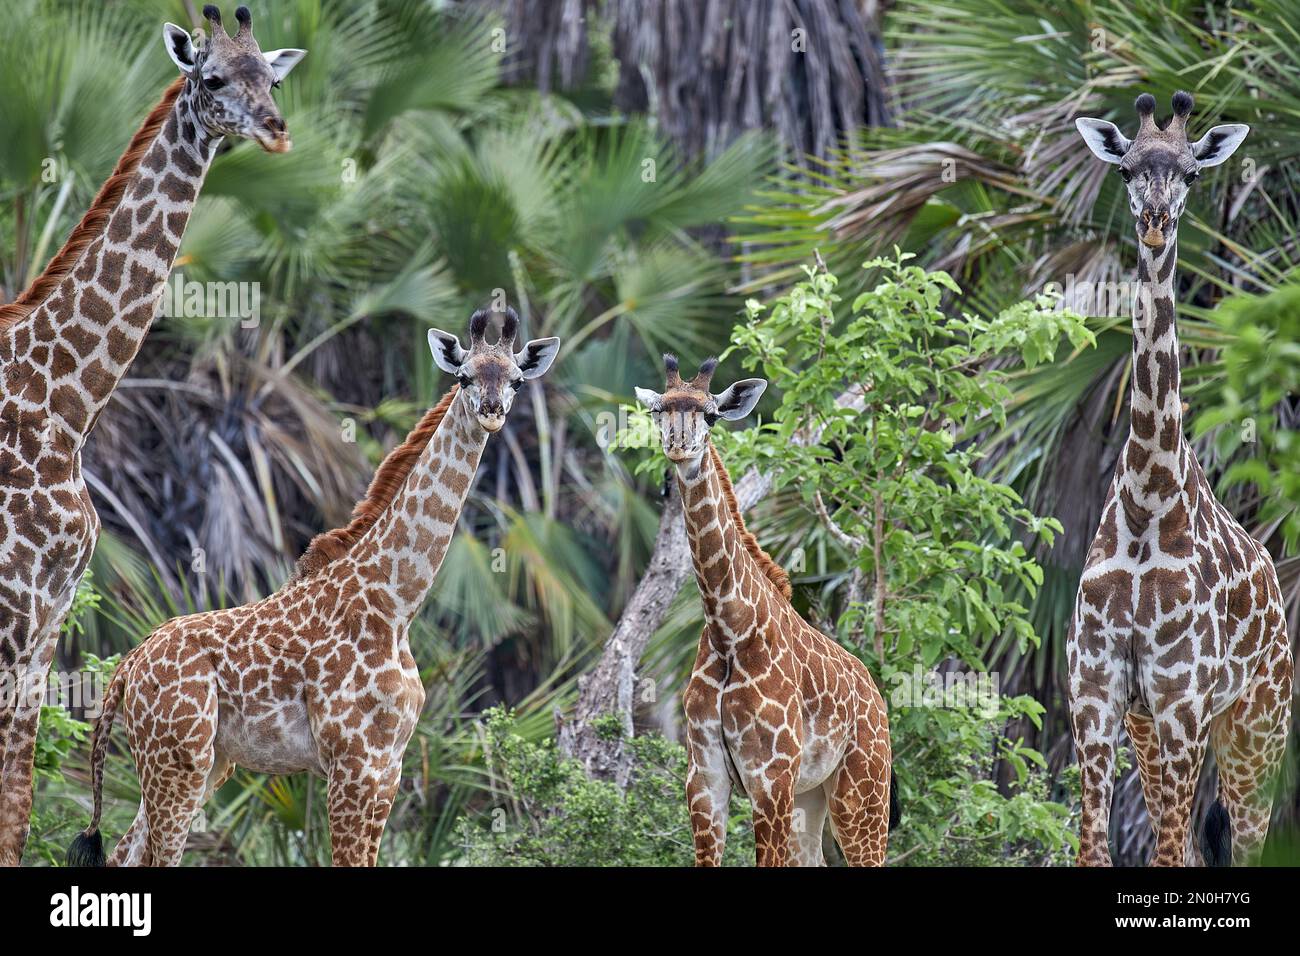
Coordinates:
(726, 573)
(1153, 465)
(410, 540)
(67, 355)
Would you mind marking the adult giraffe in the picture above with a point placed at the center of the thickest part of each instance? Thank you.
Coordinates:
(67, 341)
(773, 705)
(1179, 627)
(319, 676)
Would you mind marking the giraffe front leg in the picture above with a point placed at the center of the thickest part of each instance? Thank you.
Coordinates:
(1183, 729)
(774, 819)
(1142, 733)
(708, 796)
(16, 773)
(360, 799)
(708, 778)
(1098, 692)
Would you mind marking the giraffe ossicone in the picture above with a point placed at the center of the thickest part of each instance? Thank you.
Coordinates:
(1179, 630)
(70, 337)
(319, 676)
(773, 705)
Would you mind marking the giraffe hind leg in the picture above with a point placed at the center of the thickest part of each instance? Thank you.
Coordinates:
(1249, 741)
(810, 809)
(176, 759)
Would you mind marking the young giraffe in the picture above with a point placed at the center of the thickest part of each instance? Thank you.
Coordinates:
(773, 705)
(67, 341)
(319, 676)
(1179, 626)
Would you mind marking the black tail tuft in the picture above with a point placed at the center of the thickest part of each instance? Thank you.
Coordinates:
(895, 811)
(86, 850)
(1216, 837)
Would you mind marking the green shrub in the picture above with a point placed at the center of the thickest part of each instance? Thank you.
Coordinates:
(549, 813)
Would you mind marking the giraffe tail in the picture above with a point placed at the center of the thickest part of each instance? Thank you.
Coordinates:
(1216, 836)
(87, 848)
(895, 810)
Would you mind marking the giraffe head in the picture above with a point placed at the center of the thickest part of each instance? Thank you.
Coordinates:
(491, 374)
(231, 80)
(685, 411)
(1159, 164)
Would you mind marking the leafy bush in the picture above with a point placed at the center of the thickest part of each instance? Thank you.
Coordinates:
(549, 813)
(877, 431)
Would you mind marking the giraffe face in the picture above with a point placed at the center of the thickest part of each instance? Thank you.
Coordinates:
(490, 375)
(231, 79)
(1159, 165)
(685, 411)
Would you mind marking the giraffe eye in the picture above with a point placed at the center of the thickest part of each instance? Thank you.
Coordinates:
(1125, 175)
(213, 82)
(463, 379)
(1191, 177)
(710, 418)
(517, 384)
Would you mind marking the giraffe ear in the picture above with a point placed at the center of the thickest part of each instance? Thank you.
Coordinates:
(649, 399)
(447, 353)
(1218, 144)
(739, 400)
(282, 61)
(1104, 139)
(536, 357)
(179, 47)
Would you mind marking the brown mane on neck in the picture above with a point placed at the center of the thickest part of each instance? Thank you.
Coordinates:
(328, 546)
(95, 220)
(775, 573)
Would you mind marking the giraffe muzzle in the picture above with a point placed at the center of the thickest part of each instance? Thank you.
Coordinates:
(491, 421)
(1154, 221)
(273, 136)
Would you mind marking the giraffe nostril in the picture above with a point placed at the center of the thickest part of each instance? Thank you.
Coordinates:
(274, 123)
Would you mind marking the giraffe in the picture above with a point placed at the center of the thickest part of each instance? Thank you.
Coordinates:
(1178, 628)
(319, 676)
(773, 705)
(68, 340)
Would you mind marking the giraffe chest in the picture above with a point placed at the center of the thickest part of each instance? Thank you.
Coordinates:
(1180, 597)
(48, 524)
(774, 712)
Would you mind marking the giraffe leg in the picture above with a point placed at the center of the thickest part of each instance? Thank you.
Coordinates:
(16, 775)
(1183, 728)
(133, 848)
(1142, 732)
(810, 810)
(1249, 743)
(172, 795)
(708, 779)
(1098, 699)
(858, 796)
(172, 730)
(360, 800)
(774, 819)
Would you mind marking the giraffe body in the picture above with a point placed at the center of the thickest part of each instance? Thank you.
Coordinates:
(319, 676)
(774, 707)
(67, 342)
(1179, 630)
